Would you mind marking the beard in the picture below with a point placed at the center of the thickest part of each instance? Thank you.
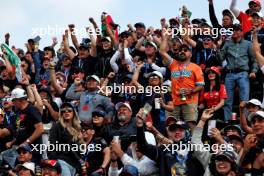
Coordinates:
(122, 118)
(181, 57)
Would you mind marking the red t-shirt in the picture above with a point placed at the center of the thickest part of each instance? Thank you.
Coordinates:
(246, 21)
(213, 98)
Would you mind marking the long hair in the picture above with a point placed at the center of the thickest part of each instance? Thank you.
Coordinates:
(74, 129)
(207, 83)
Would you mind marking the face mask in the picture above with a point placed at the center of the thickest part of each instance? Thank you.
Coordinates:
(122, 118)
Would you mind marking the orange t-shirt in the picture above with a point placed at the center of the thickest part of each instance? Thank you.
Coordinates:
(185, 76)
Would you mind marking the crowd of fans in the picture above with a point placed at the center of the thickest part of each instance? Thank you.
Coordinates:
(174, 89)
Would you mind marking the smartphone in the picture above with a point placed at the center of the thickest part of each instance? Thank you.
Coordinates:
(116, 139)
(211, 124)
(146, 109)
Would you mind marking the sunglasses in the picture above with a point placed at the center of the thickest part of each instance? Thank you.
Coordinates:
(184, 50)
(66, 110)
(207, 40)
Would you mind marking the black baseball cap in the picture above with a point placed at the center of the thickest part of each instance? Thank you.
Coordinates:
(227, 12)
(139, 25)
(51, 164)
(237, 27)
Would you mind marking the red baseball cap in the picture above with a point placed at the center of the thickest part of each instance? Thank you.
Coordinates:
(216, 70)
(255, 1)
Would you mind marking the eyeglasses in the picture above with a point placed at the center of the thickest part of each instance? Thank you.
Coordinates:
(66, 110)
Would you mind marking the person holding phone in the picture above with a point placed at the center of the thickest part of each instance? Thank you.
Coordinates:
(221, 161)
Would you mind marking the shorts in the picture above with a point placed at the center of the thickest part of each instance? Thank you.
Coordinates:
(186, 112)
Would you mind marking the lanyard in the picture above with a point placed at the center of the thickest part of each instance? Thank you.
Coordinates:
(205, 55)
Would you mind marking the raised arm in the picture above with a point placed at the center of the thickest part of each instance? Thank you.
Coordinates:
(243, 120)
(97, 30)
(113, 60)
(136, 74)
(234, 9)
(68, 51)
(53, 80)
(167, 60)
(73, 36)
(93, 50)
(212, 15)
(256, 49)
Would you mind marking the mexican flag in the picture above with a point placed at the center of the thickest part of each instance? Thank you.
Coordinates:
(13, 59)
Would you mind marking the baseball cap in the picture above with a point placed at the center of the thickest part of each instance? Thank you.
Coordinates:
(106, 39)
(84, 45)
(120, 104)
(87, 125)
(125, 34)
(24, 147)
(233, 126)
(51, 164)
(237, 27)
(258, 14)
(197, 21)
(178, 124)
(129, 171)
(93, 77)
(254, 114)
(139, 25)
(254, 102)
(99, 110)
(216, 70)
(18, 93)
(68, 104)
(185, 46)
(227, 12)
(226, 154)
(157, 73)
(255, 2)
(151, 44)
(236, 137)
(170, 120)
(28, 165)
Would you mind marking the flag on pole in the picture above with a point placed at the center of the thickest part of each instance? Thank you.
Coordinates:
(13, 59)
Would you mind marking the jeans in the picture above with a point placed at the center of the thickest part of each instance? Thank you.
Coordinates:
(67, 169)
(10, 156)
(242, 81)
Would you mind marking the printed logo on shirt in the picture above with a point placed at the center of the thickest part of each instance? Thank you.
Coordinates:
(184, 73)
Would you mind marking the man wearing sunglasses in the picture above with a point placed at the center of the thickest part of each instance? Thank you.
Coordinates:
(187, 81)
(244, 17)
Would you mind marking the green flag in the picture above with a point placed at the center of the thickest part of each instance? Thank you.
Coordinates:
(13, 59)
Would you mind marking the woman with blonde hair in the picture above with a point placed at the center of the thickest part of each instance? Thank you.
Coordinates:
(66, 138)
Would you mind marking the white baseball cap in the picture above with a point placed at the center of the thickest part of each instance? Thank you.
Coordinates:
(255, 102)
(28, 165)
(157, 73)
(93, 77)
(118, 105)
(18, 93)
(254, 114)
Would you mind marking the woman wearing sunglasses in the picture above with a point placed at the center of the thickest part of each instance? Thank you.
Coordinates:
(67, 132)
(214, 94)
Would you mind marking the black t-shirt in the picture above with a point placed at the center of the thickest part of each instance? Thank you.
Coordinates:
(28, 117)
(94, 155)
(46, 117)
(88, 65)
